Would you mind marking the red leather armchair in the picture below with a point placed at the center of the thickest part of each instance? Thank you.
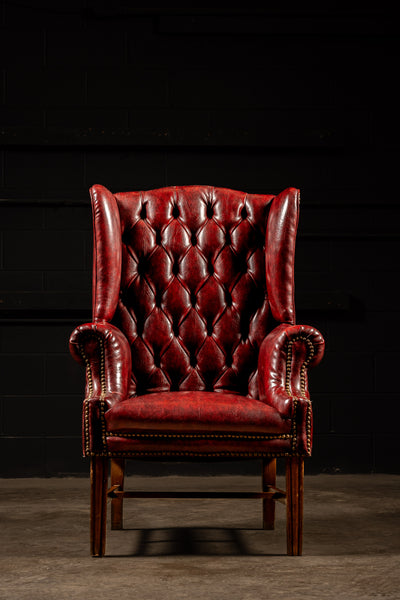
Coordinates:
(193, 351)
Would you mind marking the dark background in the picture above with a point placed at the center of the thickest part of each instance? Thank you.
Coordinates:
(256, 100)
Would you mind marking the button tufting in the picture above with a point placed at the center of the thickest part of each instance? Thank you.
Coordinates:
(158, 298)
(175, 268)
(186, 283)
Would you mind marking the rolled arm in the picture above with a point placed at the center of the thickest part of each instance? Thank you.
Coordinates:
(285, 356)
(105, 352)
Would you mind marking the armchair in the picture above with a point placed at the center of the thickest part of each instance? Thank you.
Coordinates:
(193, 351)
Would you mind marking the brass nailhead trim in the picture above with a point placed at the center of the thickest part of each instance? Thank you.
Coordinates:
(283, 436)
(311, 352)
(304, 365)
(86, 402)
(199, 454)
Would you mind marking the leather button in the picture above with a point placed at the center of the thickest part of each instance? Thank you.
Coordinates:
(158, 298)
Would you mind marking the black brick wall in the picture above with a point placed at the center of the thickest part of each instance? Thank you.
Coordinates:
(97, 92)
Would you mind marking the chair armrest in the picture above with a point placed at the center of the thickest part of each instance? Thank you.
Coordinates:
(105, 352)
(285, 356)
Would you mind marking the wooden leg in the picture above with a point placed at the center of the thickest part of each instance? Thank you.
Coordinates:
(268, 479)
(98, 504)
(117, 478)
(294, 504)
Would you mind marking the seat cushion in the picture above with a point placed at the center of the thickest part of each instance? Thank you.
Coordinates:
(194, 412)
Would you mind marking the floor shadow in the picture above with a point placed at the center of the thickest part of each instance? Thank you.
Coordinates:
(188, 541)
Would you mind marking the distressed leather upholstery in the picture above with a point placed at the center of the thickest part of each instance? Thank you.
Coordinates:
(193, 350)
(193, 347)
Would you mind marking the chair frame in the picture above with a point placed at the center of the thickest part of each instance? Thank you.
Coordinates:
(289, 351)
(292, 497)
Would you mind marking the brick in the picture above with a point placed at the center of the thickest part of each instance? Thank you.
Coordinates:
(345, 370)
(22, 49)
(247, 88)
(21, 280)
(126, 88)
(45, 304)
(386, 365)
(55, 416)
(370, 255)
(279, 128)
(49, 250)
(263, 171)
(73, 218)
(154, 50)
(18, 218)
(43, 172)
(169, 126)
(252, 172)
(85, 48)
(364, 413)
(86, 119)
(80, 281)
(64, 375)
(45, 87)
(385, 128)
(25, 457)
(124, 171)
(353, 283)
(34, 338)
(30, 15)
(368, 329)
(333, 453)
(379, 294)
(321, 412)
(64, 456)
(386, 453)
(312, 255)
(22, 374)
(21, 117)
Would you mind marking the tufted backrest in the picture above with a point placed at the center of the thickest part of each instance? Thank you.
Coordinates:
(185, 273)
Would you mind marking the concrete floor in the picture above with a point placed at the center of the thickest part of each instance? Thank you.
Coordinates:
(197, 549)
